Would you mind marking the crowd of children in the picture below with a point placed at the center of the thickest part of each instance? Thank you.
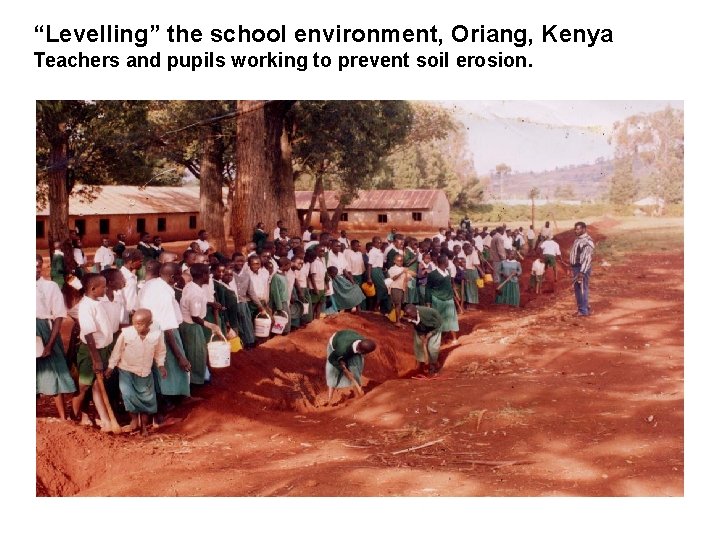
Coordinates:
(143, 316)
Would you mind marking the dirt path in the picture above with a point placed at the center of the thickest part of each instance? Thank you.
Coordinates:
(531, 402)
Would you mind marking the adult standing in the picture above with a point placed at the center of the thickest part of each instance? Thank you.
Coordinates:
(581, 264)
(104, 256)
(497, 252)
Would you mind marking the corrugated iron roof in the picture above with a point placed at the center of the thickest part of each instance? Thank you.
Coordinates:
(124, 200)
(377, 199)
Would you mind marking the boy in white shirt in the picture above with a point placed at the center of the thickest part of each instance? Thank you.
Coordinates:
(96, 338)
(399, 276)
(133, 354)
(536, 274)
(104, 256)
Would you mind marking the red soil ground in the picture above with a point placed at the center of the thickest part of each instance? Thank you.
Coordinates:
(532, 401)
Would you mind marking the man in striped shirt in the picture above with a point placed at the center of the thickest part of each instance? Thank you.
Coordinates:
(581, 264)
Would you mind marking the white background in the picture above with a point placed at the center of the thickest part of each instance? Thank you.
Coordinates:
(661, 50)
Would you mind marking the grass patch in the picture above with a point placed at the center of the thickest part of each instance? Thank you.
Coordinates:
(635, 235)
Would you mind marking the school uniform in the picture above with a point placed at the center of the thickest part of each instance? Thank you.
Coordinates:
(301, 276)
(119, 250)
(51, 372)
(133, 355)
(397, 288)
(428, 322)
(130, 292)
(93, 319)
(245, 294)
(316, 274)
(159, 297)
(57, 268)
(510, 293)
(280, 297)
(440, 295)
(193, 303)
(376, 261)
(342, 346)
(472, 292)
(104, 257)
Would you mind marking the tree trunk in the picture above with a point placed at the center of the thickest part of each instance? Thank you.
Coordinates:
(212, 208)
(324, 214)
(335, 222)
(259, 185)
(532, 218)
(288, 205)
(313, 199)
(58, 193)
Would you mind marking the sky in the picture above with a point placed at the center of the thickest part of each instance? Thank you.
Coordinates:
(542, 135)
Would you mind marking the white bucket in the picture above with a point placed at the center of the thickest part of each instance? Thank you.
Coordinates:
(388, 283)
(218, 353)
(262, 325)
(306, 308)
(279, 322)
(74, 282)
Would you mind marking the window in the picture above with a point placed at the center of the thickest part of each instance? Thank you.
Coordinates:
(382, 218)
(193, 222)
(104, 226)
(140, 225)
(161, 224)
(417, 216)
(40, 228)
(80, 226)
(344, 216)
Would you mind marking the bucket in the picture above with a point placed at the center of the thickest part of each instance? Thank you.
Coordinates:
(279, 322)
(74, 282)
(262, 325)
(488, 278)
(368, 289)
(218, 353)
(305, 308)
(234, 341)
(480, 282)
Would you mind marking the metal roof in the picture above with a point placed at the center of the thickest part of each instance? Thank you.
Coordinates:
(124, 200)
(377, 199)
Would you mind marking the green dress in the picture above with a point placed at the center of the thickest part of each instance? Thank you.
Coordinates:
(57, 269)
(439, 291)
(280, 297)
(340, 348)
(347, 294)
(381, 291)
(51, 373)
(510, 293)
(431, 325)
(413, 295)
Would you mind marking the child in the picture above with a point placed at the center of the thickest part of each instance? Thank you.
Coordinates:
(193, 307)
(398, 274)
(280, 293)
(509, 294)
(440, 296)
(52, 377)
(57, 265)
(96, 338)
(536, 274)
(133, 355)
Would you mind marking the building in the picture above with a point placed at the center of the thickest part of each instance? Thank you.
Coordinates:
(172, 212)
(405, 209)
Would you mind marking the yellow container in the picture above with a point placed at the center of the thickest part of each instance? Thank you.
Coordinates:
(368, 289)
(480, 282)
(488, 278)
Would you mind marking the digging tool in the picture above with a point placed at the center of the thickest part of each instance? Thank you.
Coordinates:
(113, 421)
(351, 377)
(499, 287)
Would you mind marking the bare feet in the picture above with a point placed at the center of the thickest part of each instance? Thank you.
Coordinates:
(85, 420)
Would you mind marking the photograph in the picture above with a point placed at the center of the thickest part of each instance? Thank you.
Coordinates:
(360, 298)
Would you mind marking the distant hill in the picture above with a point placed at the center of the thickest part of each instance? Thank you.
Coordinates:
(582, 182)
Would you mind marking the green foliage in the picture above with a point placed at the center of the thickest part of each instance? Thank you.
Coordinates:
(106, 143)
(434, 156)
(657, 142)
(346, 141)
(623, 185)
(176, 136)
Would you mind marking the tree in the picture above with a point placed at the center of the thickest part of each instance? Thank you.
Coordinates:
(199, 136)
(623, 185)
(532, 195)
(434, 156)
(344, 142)
(90, 143)
(264, 184)
(655, 141)
(502, 170)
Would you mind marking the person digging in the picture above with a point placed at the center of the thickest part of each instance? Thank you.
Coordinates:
(345, 361)
(427, 334)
